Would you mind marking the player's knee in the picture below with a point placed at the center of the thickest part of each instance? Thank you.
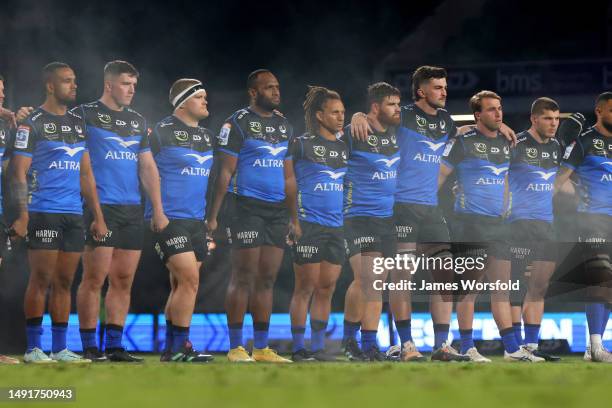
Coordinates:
(304, 290)
(265, 282)
(326, 289)
(121, 282)
(62, 283)
(189, 282)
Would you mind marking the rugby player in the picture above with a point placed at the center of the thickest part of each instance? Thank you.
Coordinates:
(50, 152)
(533, 166)
(590, 158)
(315, 166)
(424, 129)
(370, 184)
(118, 144)
(252, 145)
(7, 121)
(481, 158)
(183, 153)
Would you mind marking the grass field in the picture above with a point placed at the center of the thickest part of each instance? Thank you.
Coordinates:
(571, 382)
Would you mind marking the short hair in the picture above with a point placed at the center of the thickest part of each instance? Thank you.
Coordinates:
(425, 73)
(476, 100)
(180, 85)
(315, 99)
(380, 90)
(603, 98)
(118, 67)
(542, 104)
(252, 78)
(49, 69)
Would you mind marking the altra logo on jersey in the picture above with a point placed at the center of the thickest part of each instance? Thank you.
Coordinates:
(50, 128)
(123, 143)
(433, 146)
(334, 176)
(70, 151)
(200, 159)
(384, 175)
(496, 170)
(389, 162)
(544, 174)
(274, 151)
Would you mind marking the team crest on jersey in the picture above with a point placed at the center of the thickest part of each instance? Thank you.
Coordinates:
(181, 135)
(104, 118)
(79, 130)
(373, 140)
(319, 150)
(480, 147)
(50, 128)
(134, 124)
(422, 122)
(2, 134)
(442, 125)
(282, 129)
(506, 150)
(598, 144)
(393, 139)
(531, 152)
(255, 127)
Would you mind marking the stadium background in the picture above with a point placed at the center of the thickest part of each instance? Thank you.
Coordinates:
(520, 49)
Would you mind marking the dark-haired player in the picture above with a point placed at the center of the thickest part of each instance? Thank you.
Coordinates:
(118, 145)
(50, 170)
(315, 166)
(252, 146)
(370, 184)
(590, 158)
(533, 166)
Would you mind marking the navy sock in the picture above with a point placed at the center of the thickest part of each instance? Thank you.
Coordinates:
(532, 333)
(260, 335)
(509, 340)
(440, 334)
(604, 318)
(350, 330)
(235, 335)
(404, 330)
(114, 335)
(467, 340)
(518, 332)
(88, 338)
(180, 336)
(33, 333)
(368, 339)
(317, 335)
(297, 333)
(168, 345)
(58, 336)
(594, 315)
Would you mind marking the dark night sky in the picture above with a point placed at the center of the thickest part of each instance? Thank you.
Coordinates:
(336, 44)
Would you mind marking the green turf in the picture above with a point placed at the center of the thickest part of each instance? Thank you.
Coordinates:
(571, 382)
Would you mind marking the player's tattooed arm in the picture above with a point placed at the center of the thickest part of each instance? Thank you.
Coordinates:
(226, 170)
(18, 171)
(88, 191)
(295, 231)
(150, 181)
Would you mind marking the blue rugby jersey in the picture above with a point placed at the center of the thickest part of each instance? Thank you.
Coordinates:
(5, 138)
(371, 178)
(481, 164)
(421, 139)
(184, 157)
(320, 166)
(590, 156)
(533, 167)
(260, 144)
(55, 143)
(114, 140)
